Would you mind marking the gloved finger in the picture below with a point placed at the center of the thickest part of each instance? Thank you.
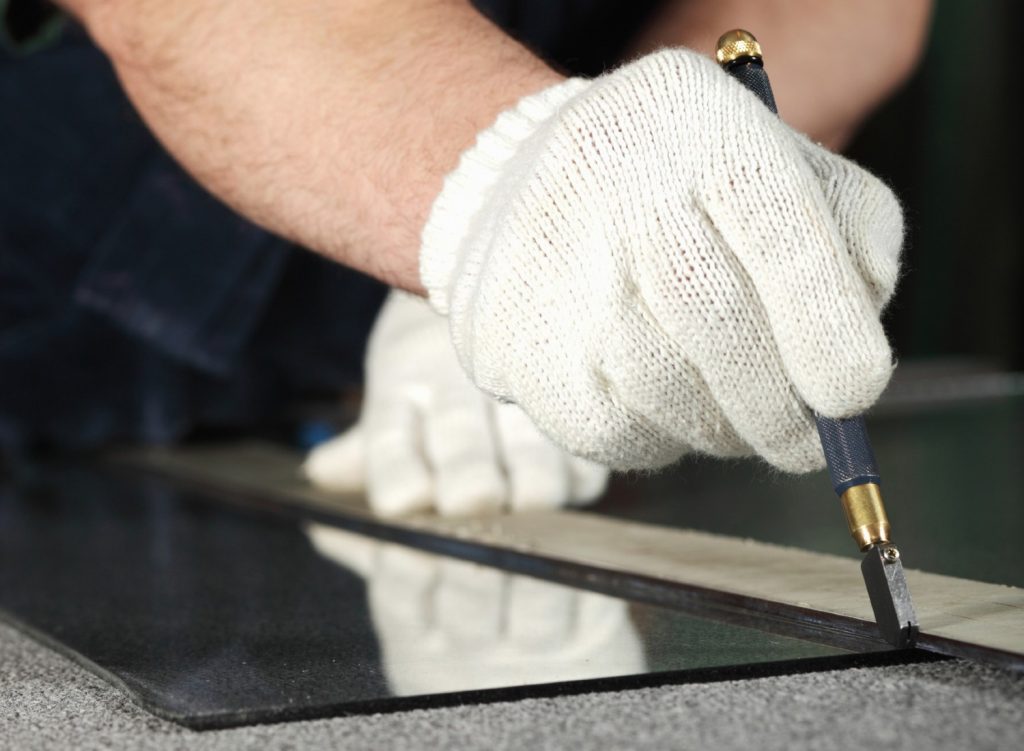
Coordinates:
(538, 474)
(781, 230)
(355, 552)
(868, 216)
(738, 368)
(581, 400)
(539, 615)
(461, 449)
(589, 480)
(469, 604)
(340, 463)
(399, 480)
(669, 323)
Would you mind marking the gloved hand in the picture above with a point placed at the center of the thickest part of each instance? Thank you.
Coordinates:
(428, 437)
(449, 625)
(652, 263)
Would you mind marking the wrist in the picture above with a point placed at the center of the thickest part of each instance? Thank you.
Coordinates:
(469, 187)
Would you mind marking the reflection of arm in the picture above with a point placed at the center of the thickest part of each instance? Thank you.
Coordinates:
(331, 123)
(831, 63)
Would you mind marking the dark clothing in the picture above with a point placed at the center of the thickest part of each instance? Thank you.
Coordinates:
(27, 25)
(135, 306)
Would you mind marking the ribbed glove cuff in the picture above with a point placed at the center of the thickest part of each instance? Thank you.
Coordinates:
(468, 187)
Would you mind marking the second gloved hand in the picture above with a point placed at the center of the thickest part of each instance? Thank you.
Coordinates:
(652, 263)
(428, 438)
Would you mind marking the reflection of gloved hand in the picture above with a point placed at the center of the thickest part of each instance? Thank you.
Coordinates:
(428, 436)
(449, 625)
(651, 263)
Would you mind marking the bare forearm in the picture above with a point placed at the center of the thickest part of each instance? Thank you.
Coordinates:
(831, 63)
(328, 122)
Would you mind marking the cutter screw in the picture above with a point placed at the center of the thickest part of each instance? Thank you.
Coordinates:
(891, 555)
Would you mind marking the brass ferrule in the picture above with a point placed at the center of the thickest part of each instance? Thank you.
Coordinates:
(733, 45)
(865, 514)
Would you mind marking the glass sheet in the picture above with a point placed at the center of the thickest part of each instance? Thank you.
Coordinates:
(952, 478)
(213, 615)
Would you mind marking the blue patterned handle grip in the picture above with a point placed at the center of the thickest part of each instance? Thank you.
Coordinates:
(848, 452)
(845, 442)
(751, 74)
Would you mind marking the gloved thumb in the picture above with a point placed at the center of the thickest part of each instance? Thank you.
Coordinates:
(340, 463)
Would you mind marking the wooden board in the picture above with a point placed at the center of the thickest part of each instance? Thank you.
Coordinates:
(777, 588)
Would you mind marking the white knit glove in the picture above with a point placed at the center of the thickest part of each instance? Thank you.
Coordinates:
(427, 437)
(652, 263)
(449, 625)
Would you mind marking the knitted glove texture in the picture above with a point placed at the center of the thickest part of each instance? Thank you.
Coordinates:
(428, 438)
(651, 263)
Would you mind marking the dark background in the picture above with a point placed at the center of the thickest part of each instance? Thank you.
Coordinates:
(949, 144)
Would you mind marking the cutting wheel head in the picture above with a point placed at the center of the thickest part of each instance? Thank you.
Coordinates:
(890, 597)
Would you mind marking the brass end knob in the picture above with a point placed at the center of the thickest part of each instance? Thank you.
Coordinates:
(733, 45)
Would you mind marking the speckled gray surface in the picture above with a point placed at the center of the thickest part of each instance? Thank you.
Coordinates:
(47, 702)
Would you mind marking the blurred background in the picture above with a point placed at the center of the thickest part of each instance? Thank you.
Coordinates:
(949, 144)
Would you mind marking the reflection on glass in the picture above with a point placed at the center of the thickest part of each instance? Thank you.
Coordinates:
(218, 614)
(450, 625)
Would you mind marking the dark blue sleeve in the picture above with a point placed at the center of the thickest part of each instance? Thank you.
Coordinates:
(133, 305)
(180, 270)
(113, 223)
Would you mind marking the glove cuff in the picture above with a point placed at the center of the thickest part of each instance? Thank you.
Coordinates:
(468, 187)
